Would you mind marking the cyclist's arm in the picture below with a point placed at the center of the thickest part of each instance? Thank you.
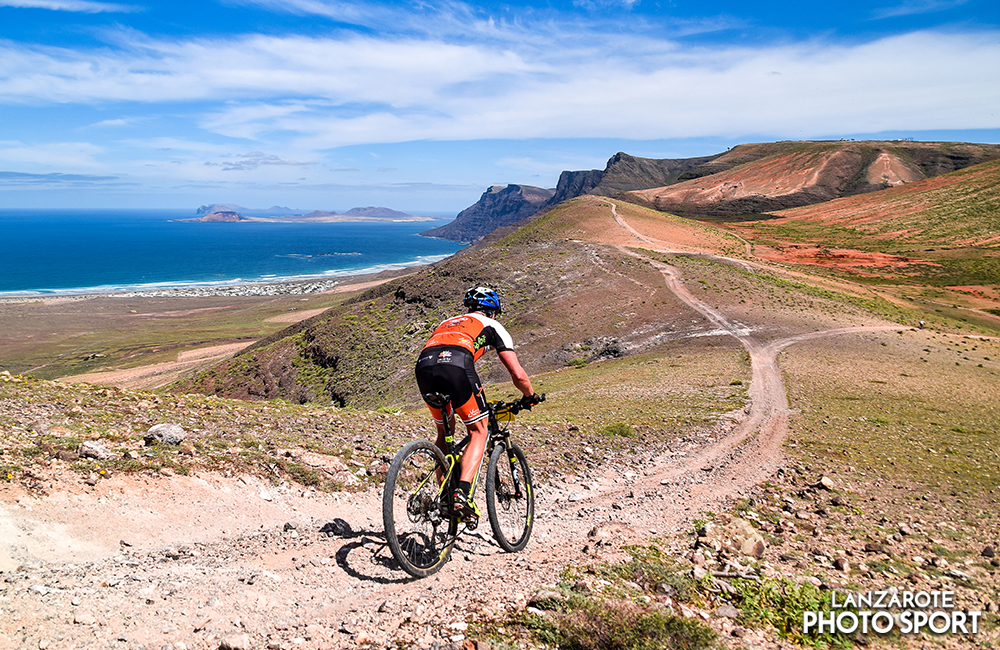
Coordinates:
(517, 374)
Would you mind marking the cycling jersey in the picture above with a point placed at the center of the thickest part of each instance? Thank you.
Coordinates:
(447, 363)
(474, 332)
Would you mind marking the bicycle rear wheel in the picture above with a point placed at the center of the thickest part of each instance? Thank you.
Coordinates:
(510, 497)
(419, 528)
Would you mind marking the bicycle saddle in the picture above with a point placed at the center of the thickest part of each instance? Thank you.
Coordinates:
(437, 400)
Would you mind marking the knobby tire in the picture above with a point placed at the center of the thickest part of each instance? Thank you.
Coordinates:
(419, 529)
(511, 514)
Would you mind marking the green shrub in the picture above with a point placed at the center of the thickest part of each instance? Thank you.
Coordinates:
(619, 429)
(781, 604)
(622, 625)
(578, 362)
(300, 473)
(650, 568)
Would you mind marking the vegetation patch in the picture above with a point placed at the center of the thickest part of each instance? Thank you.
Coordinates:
(619, 430)
(617, 625)
(780, 604)
(611, 607)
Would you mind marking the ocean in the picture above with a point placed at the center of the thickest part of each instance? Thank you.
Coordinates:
(63, 252)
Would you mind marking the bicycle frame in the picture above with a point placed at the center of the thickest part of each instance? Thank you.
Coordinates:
(454, 452)
(417, 503)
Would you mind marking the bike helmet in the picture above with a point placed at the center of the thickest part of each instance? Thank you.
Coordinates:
(483, 299)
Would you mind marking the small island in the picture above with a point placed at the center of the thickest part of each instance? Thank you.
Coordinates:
(226, 213)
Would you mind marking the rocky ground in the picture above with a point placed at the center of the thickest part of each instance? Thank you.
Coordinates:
(262, 527)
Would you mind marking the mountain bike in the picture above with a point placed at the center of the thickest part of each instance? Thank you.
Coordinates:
(420, 526)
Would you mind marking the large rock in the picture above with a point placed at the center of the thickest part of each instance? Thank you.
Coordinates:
(236, 642)
(93, 449)
(735, 536)
(165, 434)
(331, 465)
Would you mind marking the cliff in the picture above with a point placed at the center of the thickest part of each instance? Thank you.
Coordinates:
(625, 173)
(498, 206)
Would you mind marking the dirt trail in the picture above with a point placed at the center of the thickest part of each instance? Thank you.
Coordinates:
(734, 467)
(293, 586)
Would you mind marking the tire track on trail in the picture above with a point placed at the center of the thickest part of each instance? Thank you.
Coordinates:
(752, 450)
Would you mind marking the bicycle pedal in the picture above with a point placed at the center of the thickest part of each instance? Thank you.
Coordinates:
(471, 522)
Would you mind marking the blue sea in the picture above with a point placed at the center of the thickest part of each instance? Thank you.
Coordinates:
(52, 252)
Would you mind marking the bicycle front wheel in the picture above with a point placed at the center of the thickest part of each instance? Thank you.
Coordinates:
(510, 497)
(418, 526)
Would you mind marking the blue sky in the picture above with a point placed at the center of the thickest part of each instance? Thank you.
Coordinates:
(420, 106)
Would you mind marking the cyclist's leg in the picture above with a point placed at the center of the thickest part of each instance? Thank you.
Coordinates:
(439, 378)
(473, 455)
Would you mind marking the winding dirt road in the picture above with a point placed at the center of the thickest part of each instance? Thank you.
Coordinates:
(287, 587)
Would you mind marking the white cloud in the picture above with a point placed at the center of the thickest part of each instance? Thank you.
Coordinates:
(914, 7)
(55, 155)
(308, 94)
(357, 69)
(919, 81)
(79, 6)
(173, 144)
(121, 121)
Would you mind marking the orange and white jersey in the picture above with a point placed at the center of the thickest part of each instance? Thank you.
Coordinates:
(475, 332)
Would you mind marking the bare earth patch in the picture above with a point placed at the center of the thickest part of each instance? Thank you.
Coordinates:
(161, 374)
(835, 258)
(294, 316)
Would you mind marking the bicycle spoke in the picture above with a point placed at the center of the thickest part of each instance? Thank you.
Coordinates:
(419, 530)
(509, 498)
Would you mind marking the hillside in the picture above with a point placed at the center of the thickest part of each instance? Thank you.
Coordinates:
(625, 173)
(570, 292)
(503, 207)
(934, 243)
(362, 354)
(756, 179)
(747, 179)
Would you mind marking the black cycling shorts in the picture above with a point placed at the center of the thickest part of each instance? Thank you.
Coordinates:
(451, 370)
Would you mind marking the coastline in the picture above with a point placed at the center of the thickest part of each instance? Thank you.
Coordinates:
(301, 286)
(150, 339)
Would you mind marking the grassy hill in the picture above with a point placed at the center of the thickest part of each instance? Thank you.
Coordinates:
(574, 294)
(762, 178)
(556, 292)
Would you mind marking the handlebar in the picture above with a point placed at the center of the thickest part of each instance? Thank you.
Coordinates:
(517, 406)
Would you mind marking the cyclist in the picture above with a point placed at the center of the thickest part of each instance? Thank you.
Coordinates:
(446, 365)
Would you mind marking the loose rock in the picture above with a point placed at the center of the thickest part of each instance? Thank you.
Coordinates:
(235, 642)
(93, 449)
(165, 434)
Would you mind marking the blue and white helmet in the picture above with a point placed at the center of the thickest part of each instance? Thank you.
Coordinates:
(483, 299)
